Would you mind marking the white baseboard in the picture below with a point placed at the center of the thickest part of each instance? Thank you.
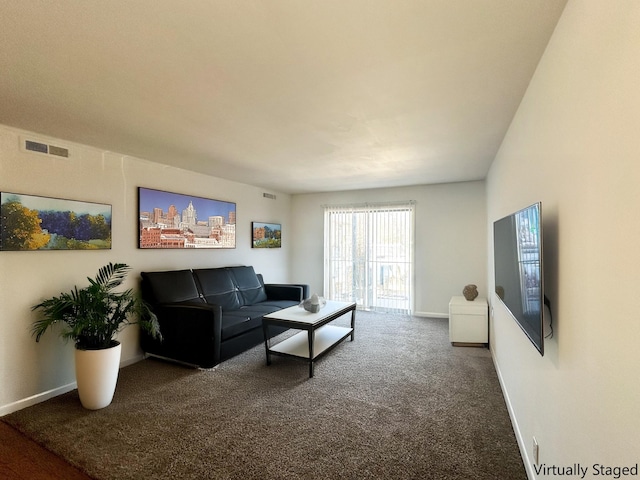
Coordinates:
(524, 452)
(430, 314)
(44, 396)
(132, 360)
(34, 399)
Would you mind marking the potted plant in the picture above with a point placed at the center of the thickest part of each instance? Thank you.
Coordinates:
(93, 316)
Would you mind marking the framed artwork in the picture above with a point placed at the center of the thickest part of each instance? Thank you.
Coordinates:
(266, 235)
(174, 220)
(30, 222)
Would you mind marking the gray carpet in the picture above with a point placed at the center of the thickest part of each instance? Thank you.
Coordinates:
(399, 402)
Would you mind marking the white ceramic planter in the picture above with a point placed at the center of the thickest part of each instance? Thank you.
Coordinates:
(97, 375)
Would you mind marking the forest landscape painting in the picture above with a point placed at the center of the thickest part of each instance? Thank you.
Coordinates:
(30, 222)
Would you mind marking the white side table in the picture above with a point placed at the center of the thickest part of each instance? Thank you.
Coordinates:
(468, 321)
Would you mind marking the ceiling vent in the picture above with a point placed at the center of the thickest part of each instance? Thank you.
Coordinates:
(42, 147)
(269, 195)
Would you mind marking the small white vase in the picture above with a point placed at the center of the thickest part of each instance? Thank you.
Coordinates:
(97, 375)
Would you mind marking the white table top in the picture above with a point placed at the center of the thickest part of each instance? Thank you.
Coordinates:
(299, 314)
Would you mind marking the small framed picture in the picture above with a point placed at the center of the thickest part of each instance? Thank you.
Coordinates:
(266, 235)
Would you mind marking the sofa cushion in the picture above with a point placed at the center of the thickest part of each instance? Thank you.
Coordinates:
(249, 285)
(249, 317)
(174, 286)
(273, 305)
(218, 287)
(239, 321)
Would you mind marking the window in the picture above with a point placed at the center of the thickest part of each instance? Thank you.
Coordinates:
(369, 255)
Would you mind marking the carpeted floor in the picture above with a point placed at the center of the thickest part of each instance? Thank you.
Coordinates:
(399, 402)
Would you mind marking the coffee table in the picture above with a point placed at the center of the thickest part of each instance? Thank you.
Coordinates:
(316, 338)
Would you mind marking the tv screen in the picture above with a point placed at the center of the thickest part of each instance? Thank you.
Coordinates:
(517, 250)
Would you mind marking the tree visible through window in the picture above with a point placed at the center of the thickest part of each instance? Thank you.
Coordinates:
(369, 255)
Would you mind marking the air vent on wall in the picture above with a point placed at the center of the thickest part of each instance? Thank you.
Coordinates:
(59, 151)
(269, 195)
(36, 146)
(41, 147)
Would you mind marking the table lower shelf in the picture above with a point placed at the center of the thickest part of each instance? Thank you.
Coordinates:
(325, 338)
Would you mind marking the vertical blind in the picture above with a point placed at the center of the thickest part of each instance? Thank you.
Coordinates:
(369, 255)
(529, 259)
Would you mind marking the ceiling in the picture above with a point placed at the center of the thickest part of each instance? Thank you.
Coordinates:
(295, 96)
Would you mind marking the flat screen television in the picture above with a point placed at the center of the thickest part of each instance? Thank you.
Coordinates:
(517, 251)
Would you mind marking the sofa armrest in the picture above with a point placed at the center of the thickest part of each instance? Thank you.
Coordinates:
(280, 291)
(191, 333)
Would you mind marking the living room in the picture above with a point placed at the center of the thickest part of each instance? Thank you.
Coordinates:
(572, 145)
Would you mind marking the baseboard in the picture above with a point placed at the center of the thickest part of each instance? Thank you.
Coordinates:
(430, 314)
(132, 360)
(524, 452)
(44, 396)
(35, 399)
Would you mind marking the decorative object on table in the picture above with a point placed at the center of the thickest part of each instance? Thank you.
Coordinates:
(266, 235)
(93, 316)
(174, 220)
(314, 303)
(30, 222)
(470, 292)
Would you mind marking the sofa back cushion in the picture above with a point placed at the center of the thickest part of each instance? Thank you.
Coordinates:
(250, 287)
(174, 286)
(217, 286)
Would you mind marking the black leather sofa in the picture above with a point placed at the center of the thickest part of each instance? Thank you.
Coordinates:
(212, 314)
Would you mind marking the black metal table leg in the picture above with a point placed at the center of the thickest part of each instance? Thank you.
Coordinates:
(311, 338)
(265, 330)
(353, 323)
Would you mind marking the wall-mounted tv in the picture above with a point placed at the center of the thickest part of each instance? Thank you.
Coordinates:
(517, 250)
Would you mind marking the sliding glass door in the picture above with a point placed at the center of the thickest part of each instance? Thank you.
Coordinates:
(369, 255)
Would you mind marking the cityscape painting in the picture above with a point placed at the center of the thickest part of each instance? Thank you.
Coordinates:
(30, 222)
(174, 220)
(266, 235)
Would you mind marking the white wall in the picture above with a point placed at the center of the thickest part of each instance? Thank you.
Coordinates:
(574, 144)
(31, 371)
(450, 238)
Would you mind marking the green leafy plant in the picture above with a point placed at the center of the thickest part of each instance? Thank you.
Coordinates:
(95, 314)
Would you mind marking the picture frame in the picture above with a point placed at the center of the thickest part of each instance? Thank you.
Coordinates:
(178, 221)
(33, 222)
(266, 235)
